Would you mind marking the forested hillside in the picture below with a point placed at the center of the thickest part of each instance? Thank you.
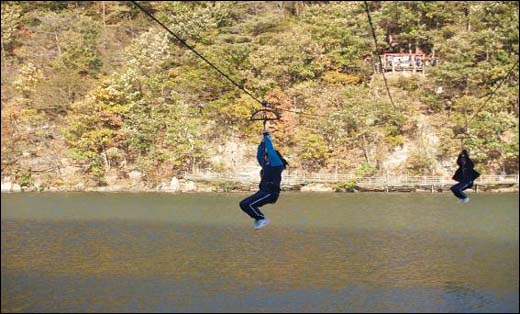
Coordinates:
(93, 91)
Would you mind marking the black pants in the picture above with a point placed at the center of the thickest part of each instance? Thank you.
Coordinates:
(461, 186)
(251, 204)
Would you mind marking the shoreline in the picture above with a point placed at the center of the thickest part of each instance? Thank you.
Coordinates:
(217, 190)
(421, 184)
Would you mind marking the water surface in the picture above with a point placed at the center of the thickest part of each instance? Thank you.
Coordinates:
(331, 252)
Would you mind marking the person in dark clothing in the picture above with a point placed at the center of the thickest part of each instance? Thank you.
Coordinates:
(273, 165)
(465, 175)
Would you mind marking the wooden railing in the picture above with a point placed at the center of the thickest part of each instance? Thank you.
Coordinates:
(381, 181)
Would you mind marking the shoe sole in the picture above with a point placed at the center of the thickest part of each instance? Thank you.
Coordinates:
(257, 228)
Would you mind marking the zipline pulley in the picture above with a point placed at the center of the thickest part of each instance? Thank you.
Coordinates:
(265, 114)
(462, 134)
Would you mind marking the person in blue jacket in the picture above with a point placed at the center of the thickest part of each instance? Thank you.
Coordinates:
(465, 175)
(273, 165)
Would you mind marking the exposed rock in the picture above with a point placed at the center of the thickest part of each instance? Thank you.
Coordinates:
(38, 182)
(174, 185)
(422, 190)
(135, 175)
(349, 190)
(397, 158)
(11, 187)
(111, 188)
(507, 190)
(79, 187)
(317, 187)
(187, 186)
(69, 170)
(111, 178)
(206, 189)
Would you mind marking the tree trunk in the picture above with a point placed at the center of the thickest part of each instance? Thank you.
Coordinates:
(4, 61)
(365, 149)
(105, 159)
(104, 25)
(467, 14)
(57, 43)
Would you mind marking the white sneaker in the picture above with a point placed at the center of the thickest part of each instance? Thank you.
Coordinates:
(466, 200)
(261, 223)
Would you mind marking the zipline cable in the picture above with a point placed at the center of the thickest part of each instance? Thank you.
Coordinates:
(263, 103)
(197, 53)
(377, 53)
(490, 95)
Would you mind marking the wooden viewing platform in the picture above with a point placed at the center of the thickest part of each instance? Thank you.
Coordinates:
(406, 62)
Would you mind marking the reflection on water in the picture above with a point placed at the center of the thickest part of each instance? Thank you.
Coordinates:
(197, 252)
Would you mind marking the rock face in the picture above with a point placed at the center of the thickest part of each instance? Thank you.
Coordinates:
(111, 188)
(187, 186)
(206, 189)
(135, 175)
(173, 186)
(136, 181)
(317, 187)
(11, 187)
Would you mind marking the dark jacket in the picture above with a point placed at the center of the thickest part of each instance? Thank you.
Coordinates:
(465, 172)
(272, 170)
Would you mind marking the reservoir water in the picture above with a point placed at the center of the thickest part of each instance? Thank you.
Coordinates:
(322, 252)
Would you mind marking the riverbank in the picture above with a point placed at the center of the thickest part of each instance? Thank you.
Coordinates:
(187, 186)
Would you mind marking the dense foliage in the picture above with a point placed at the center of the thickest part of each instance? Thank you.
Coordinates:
(100, 83)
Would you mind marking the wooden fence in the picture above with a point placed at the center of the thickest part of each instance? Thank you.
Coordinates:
(381, 181)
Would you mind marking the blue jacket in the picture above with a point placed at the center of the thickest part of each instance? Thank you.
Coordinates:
(272, 170)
